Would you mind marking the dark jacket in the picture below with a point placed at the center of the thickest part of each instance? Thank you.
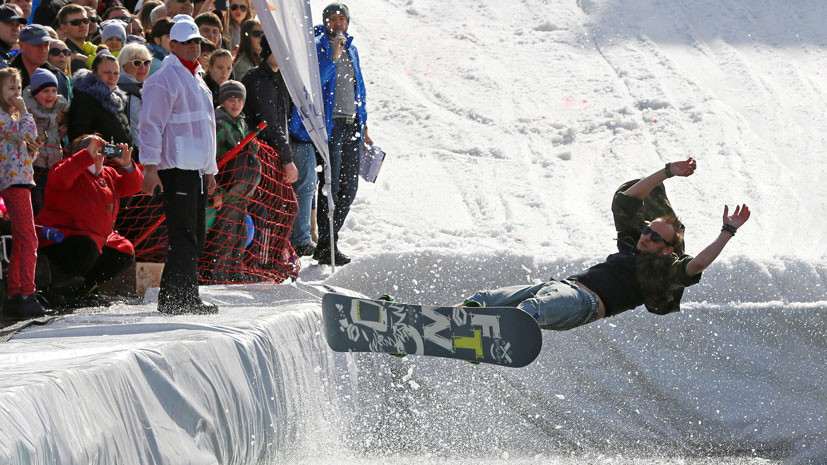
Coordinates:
(63, 84)
(98, 109)
(661, 278)
(268, 100)
(46, 12)
(5, 55)
(214, 87)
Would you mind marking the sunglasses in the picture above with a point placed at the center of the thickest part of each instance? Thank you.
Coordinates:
(238, 7)
(78, 21)
(656, 238)
(256, 34)
(139, 63)
(125, 19)
(192, 41)
(56, 52)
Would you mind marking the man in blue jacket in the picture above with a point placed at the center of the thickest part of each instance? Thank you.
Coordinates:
(346, 119)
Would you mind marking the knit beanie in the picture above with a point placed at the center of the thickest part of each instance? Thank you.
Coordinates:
(231, 89)
(42, 79)
(113, 29)
(335, 8)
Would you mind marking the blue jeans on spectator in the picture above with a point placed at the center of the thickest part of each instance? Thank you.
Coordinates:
(304, 156)
(344, 145)
(556, 305)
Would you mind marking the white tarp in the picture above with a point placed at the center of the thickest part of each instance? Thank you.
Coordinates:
(289, 31)
(257, 384)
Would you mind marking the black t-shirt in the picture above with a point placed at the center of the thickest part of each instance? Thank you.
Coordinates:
(615, 281)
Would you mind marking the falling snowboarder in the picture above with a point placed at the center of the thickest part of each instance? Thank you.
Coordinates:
(649, 268)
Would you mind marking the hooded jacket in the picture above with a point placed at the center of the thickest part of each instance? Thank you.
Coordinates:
(98, 109)
(239, 176)
(327, 72)
(268, 100)
(81, 203)
(176, 127)
(51, 151)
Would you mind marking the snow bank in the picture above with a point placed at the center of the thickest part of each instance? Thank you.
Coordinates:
(135, 387)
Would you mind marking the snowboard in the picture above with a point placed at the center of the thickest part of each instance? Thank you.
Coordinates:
(504, 336)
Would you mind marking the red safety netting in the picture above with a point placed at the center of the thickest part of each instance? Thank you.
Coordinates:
(249, 220)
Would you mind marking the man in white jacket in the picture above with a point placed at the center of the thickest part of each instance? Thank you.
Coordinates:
(177, 146)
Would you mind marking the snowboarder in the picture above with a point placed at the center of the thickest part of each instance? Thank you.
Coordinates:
(650, 267)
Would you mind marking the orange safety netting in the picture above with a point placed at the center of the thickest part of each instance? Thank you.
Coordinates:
(249, 219)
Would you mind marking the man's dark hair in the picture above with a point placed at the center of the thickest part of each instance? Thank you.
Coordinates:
(68, 10)
(161, 28)
(105, 14)
(209, 19)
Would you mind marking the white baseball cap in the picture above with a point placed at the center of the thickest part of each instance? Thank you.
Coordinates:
(184, 30)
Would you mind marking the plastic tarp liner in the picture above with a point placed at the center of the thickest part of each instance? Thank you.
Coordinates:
(258, 384)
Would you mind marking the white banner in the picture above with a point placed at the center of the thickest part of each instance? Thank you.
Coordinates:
(289, 30)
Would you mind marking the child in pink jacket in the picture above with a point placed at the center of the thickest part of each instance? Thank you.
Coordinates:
(17, 128)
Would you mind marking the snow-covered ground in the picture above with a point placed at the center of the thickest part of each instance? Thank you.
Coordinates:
(508, 125)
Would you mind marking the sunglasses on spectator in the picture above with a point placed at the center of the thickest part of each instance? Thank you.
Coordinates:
(192, 41)
(238, 7)
(56, 52)
(256, 34)
(139, 63)
(656, 238)
(126, 19)
(77, 22)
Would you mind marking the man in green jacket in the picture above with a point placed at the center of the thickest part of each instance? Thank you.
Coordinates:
(650, 267)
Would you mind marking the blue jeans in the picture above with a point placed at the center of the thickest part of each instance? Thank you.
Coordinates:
(556, 305)
(345, 140)
(305, 187)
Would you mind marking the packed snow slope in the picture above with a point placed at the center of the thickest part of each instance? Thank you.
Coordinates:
(508, 126)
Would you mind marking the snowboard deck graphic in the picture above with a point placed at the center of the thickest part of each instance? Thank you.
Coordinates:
(504, 336)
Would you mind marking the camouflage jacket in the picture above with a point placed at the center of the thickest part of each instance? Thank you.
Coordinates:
(661, 278)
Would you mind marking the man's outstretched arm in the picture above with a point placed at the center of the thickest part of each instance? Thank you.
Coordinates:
(643, 187)
(711, 252)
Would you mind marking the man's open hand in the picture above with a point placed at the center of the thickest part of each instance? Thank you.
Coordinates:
(683, 168)
(737, 219)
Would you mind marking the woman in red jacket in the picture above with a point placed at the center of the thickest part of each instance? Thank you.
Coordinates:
(82, 200)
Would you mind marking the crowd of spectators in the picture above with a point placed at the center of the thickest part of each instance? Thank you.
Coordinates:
(170, 87)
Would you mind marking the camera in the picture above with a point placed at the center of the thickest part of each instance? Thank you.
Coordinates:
(111, 151)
